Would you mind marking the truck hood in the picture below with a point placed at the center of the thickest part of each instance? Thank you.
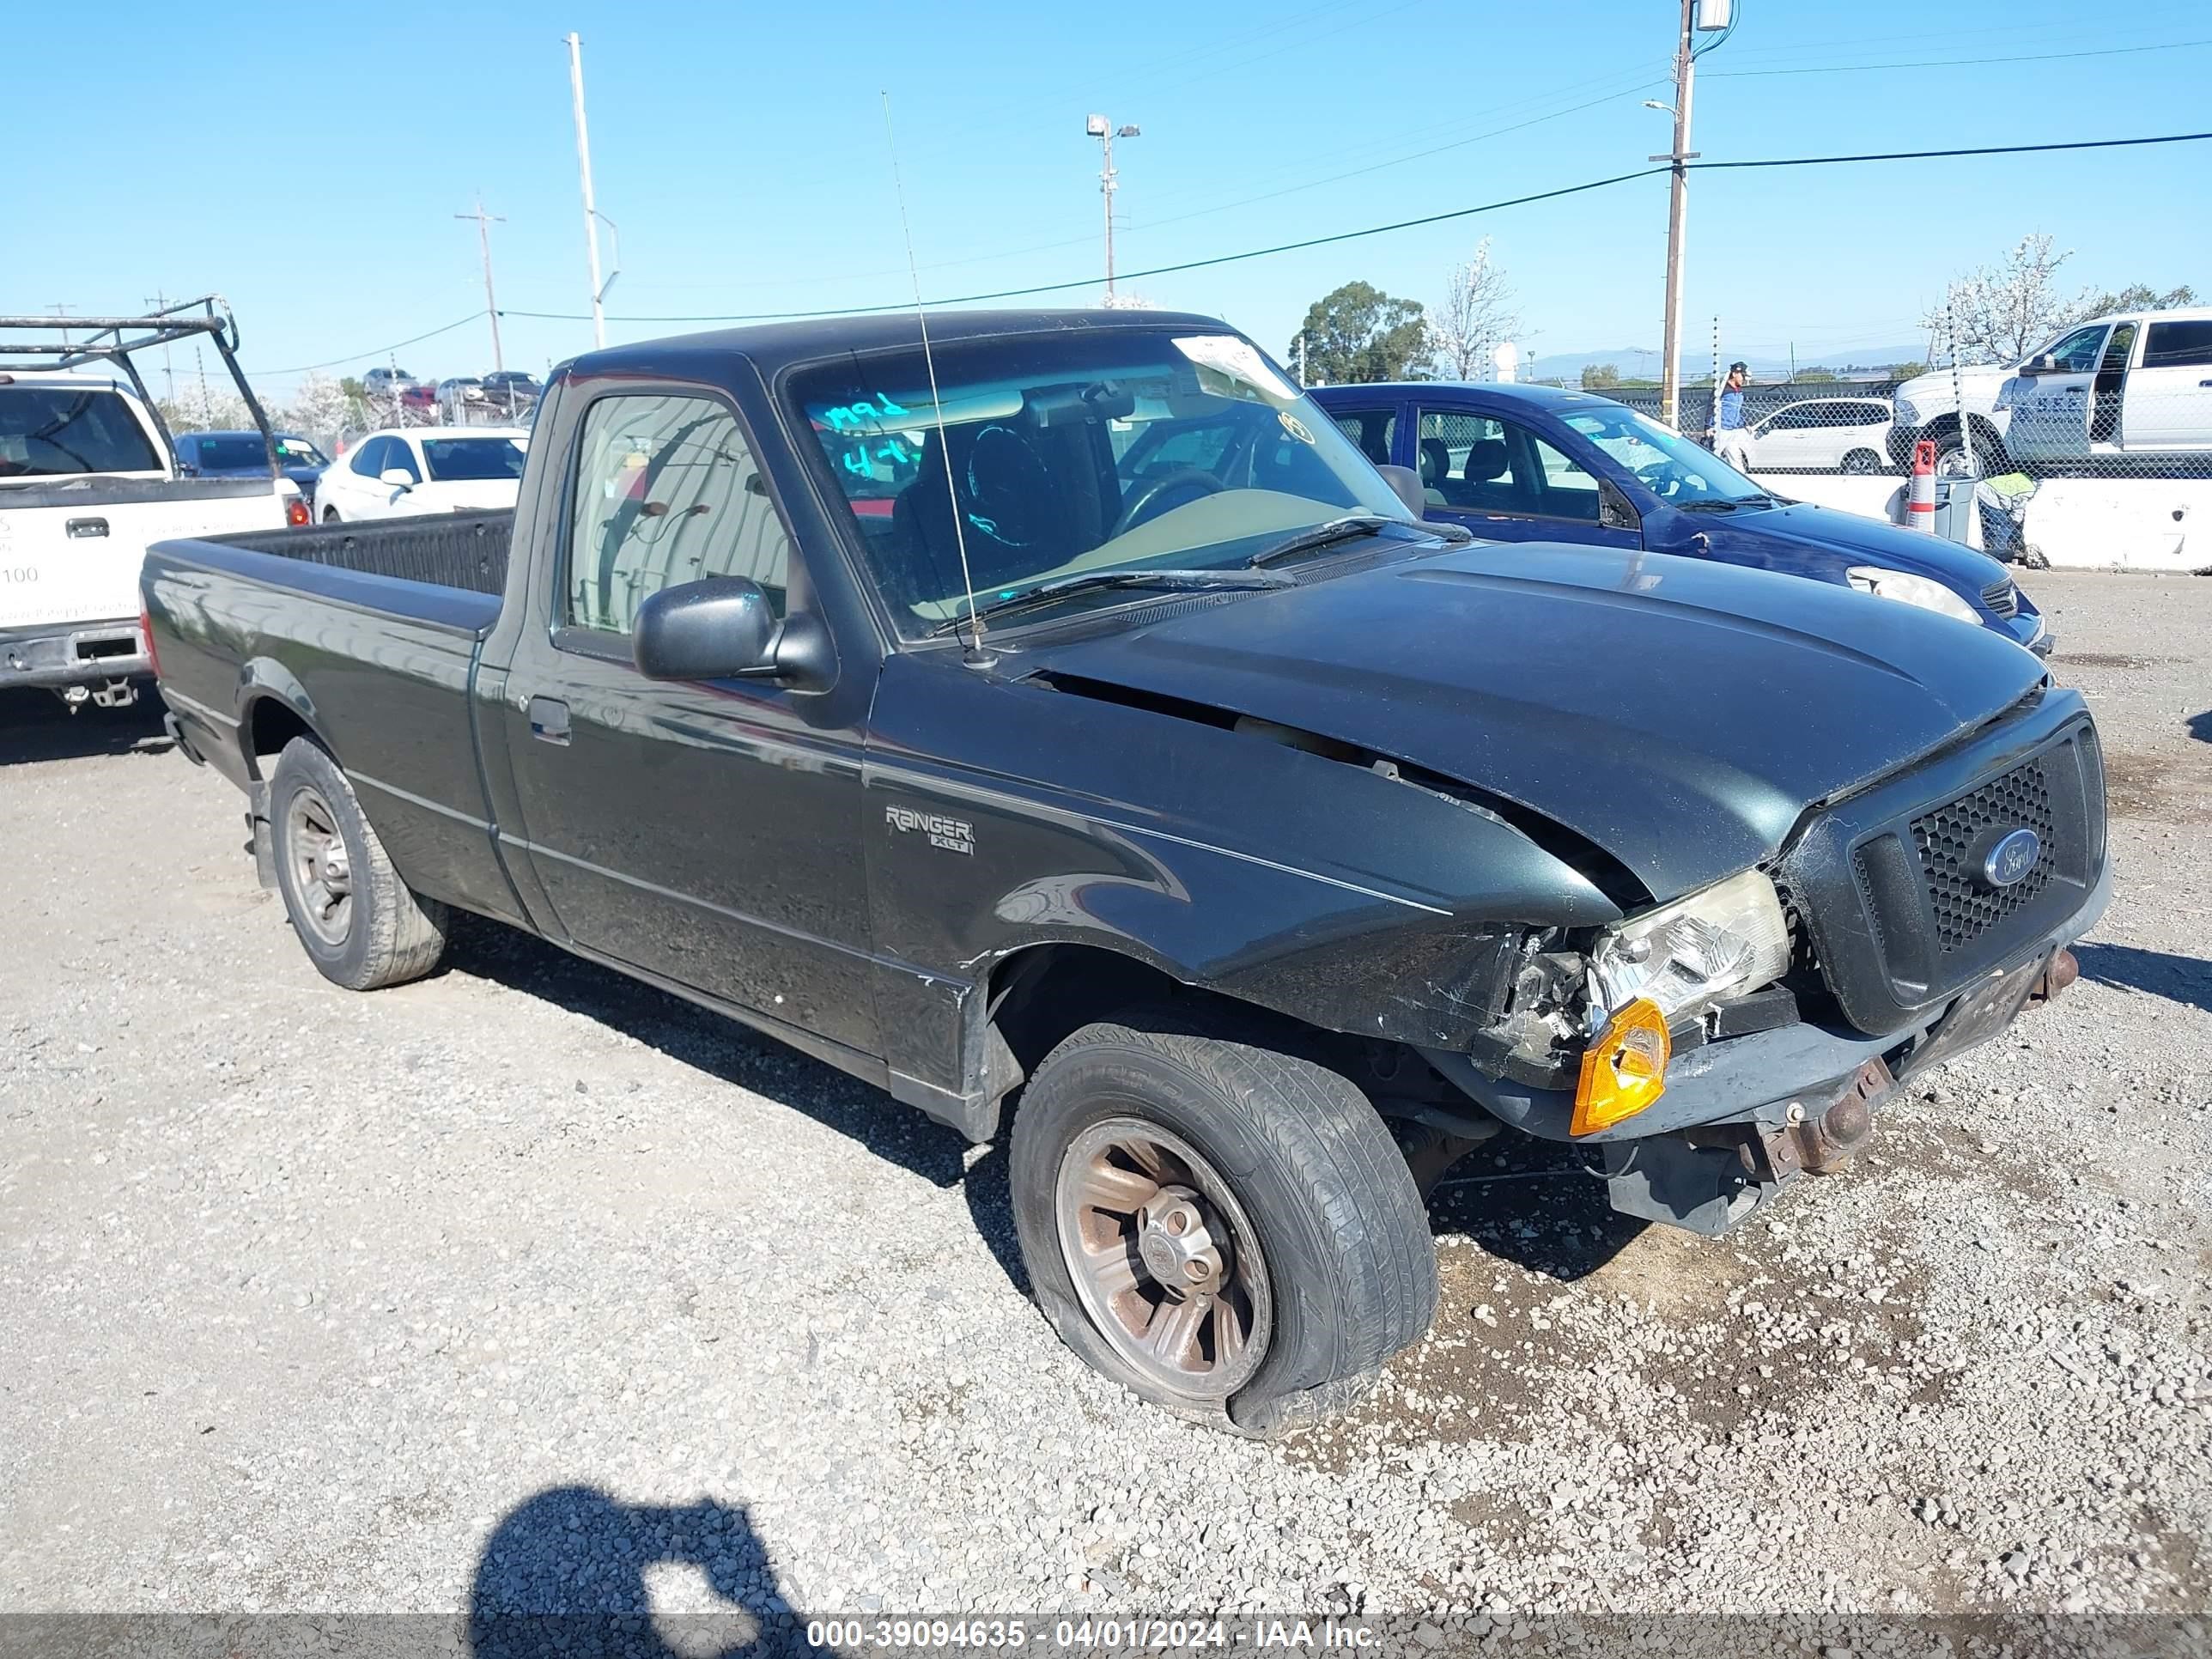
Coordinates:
(1858, 539)
(1681, 714)
(1978, 386)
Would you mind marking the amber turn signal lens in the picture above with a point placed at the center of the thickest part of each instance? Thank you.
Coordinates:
(1624, 1069)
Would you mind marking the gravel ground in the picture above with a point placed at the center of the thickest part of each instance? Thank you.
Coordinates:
(527, 1287)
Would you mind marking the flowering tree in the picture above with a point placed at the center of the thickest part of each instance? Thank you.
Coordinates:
(1477, 314)
(319, 409)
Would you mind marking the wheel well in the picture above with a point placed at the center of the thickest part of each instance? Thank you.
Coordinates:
(1045, 992)
(272, 726)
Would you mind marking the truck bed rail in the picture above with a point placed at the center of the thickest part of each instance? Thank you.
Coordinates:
(467, 551)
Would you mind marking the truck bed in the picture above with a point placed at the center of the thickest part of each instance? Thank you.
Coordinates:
(466, 550)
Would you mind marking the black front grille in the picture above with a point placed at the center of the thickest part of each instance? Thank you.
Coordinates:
(1891, 883)
(1954, 839)
(2002, 597)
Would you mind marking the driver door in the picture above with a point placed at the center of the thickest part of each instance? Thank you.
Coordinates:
(2052, 411)
(1507, 482)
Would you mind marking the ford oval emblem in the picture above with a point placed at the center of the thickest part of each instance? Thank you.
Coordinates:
(2012, 858)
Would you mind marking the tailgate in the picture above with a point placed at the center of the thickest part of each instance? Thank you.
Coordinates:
(64, 561)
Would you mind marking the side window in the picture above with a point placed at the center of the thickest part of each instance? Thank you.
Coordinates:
(1373, 429)
(2078, 352)
(2178, 345)
(401, 454)
(1794, 418)
(368, 459)
(1562, 489)
(2116, 353)
(666, 492)
(1464, 463)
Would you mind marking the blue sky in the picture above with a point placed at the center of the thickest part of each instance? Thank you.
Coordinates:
(308, 161)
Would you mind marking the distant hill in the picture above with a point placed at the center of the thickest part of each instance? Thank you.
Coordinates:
(1642, 362)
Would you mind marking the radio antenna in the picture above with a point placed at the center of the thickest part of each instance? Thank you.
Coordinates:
(974, 654)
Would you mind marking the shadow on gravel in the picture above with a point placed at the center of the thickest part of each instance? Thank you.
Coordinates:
(2185, 980)
(708, 1042)
(34, 727)
(1533, 1203)
(2200, 726)
(565, 1573)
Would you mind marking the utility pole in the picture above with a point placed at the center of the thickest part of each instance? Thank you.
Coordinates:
(1105, 132)
(161, 303)
(484, 222)
(63, 311)
(1706, 17)
(584, 167)
(1678, 208)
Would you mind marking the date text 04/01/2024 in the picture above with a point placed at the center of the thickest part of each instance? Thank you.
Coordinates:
(1092, 1634)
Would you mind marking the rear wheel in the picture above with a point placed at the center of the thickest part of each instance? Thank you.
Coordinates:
(361, 925)
(1223, 1226)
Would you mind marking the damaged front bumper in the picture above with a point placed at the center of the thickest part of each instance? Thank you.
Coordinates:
(1742, 1117)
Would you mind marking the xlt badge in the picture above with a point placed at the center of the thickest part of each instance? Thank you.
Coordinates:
(947, 835)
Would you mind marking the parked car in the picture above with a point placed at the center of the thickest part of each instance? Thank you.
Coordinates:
(87, 482)
(510, 389)
(2126, 387)
(241, 455)
(2122, 387)
(385, 382)
(1824, 434)
(423, 469)
(458, 390)
(1232, 818)
(419, 397)
(1532, 462)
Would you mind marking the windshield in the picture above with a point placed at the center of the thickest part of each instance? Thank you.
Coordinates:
(231, 454)
(298, 451)
(53, 431)
(1666, 462)
(1074, 453)
(467, 460)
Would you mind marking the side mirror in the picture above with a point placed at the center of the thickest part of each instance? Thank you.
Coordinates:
(1408, 483)
(723, 628)
(2044, 363)
(1614, 510)
(397, 477)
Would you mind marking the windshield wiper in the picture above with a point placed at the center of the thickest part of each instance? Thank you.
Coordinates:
(1167, 580)
(1727, 504)
(1350, 527)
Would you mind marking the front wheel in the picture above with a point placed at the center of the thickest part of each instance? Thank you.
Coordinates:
(1224, 1227)
(361, 925)
(1862, 460)
(330, 515)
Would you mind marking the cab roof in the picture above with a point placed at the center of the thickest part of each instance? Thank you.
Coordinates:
(773, 346)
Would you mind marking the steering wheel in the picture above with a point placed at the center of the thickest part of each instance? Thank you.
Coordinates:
(1654, 478)
(1148, 494)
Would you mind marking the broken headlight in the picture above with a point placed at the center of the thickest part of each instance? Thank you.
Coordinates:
(1693, 954)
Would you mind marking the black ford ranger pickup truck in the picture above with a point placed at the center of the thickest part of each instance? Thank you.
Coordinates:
(1057, 719)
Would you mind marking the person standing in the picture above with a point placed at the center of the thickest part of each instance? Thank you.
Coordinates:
(1731, 438)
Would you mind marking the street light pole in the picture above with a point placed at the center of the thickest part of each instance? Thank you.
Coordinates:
(1105, 132)
(584, 168)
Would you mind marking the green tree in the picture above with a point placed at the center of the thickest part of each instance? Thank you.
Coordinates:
(1816, 377)
(1601, 377)
(1359, 334)
(1907, 371)
(2136, 296)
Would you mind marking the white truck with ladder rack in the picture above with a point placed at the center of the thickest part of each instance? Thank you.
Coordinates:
(89, 479)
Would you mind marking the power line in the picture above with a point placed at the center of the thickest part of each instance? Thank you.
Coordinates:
(1953, 62)
(1371, 230)
(1943, 155)
(378, 351)
(1157, 270)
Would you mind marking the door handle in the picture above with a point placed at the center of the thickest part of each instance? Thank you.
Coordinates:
(80, 529)
(549, 721)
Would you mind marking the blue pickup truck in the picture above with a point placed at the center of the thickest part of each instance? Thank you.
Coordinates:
(1539, 463)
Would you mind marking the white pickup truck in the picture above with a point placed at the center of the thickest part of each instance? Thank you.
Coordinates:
(88, 480)
(2131, 386)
